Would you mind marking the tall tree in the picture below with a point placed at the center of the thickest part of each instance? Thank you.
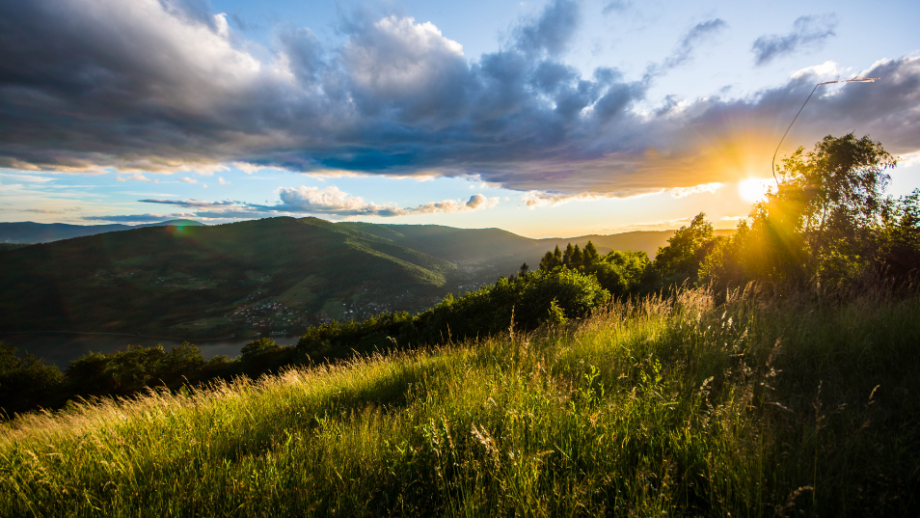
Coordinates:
(819, 225)
(590, 254)
(680, 260)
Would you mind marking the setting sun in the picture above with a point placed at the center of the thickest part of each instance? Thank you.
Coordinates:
(753, 189)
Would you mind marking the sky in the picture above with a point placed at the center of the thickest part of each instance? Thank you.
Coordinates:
(548, 119)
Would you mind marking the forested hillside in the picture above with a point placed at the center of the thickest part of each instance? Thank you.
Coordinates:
(191, 279)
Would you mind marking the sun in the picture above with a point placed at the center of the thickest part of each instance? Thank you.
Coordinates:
(753, 190)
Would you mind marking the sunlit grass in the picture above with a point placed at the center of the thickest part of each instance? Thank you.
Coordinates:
(662, 407)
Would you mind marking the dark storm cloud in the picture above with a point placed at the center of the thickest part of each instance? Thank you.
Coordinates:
(808, 32)
(134, 85)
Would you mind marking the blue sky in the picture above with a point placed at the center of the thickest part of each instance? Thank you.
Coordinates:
(555, 118)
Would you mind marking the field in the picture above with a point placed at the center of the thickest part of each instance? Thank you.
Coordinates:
(668, 406)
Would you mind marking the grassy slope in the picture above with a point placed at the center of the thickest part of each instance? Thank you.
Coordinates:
(111, 281)
(685, 409)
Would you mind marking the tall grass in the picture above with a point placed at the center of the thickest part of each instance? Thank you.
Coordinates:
(666, 406)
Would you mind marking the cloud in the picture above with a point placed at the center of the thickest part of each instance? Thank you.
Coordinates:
(808, 32)
(27, 178)
(136, 218)
(616, 6)
(42, 211)
(188, 180)
(682, 192)
(329, 201)
(136, 176)
(697, 35)
(220, 180)
(394, 96)
(552, 31)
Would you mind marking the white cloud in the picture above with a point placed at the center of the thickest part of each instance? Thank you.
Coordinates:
(136, 176)
(188, 180)
(535, 199)
(329, 201)
(826, 70)
(681, 192)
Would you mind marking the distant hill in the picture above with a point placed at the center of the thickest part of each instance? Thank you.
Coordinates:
(501, 246)
(28, 232)
(183, 279)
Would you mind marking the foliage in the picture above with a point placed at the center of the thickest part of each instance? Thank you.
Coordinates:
(680, 260)
(25, 381)
(896, 252)
(257, 349)
(525, 302)
(133, 369)
(821, 225)
(620, 273)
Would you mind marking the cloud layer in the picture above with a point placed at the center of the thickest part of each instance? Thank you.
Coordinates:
(166, 85)
(330, 201)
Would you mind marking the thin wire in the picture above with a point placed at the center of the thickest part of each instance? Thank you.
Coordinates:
(773, 164)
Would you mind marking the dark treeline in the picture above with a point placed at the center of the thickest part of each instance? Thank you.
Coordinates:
(827, 226)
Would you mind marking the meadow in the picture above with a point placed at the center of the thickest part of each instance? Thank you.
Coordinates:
(669, 405)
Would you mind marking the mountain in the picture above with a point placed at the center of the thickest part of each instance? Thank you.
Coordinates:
(28, 232)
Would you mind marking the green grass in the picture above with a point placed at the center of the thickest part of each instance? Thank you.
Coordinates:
(664, 407)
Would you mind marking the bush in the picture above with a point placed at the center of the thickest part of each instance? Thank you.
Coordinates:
(25, 382)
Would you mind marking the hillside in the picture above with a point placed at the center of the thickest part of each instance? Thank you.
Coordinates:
(28, 232)
(184, 280)
(671, 407)
(269, 275)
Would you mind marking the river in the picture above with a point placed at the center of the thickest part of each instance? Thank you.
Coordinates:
(62, 348)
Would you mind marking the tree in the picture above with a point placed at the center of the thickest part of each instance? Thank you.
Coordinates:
(820, 225)
(257, 350)
(680, 260)
(897, 239)
(590, 254)
(567, 255)
(25, 381)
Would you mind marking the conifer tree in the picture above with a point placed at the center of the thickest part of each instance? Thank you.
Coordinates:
(567, 255)
(590, 254)
(577, 258)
